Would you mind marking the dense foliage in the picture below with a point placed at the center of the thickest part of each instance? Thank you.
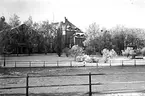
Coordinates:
(76, 51)
(118, 38)
(33, 37)
(143, 51)
(59, 42)
(28, 37)
(67, 51)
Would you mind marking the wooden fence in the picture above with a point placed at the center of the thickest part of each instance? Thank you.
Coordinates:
(132, 62)
(89, 85)
(36, 63)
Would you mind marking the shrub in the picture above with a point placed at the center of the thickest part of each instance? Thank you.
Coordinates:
(104, 59)
(138, 52)
(105, 52)
(89, 50)
(130, 52)
(112, 53)
(79, 59)
(88, 59)
(108, 54)
(66, 51)
(95, 59)
(126, 52)
(76, 51)
(143, 51)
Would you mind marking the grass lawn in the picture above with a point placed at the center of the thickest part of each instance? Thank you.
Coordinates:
(73, 90)
(42, 57)
(37, 59)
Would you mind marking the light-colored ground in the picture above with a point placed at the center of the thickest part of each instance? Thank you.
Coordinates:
(81, 90)
(39, 60)
(138, 75)
(36, 60)
(40, 57)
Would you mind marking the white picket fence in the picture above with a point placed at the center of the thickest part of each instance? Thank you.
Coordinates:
(129, 62)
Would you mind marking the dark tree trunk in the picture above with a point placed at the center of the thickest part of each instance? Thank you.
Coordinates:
(17, 51)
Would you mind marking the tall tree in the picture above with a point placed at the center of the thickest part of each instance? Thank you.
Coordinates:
(29, 38)
(48, 35)
(4, 33)
(59, 43)
(36, 34)
(29, 22)
(14, 21)
(94, 37)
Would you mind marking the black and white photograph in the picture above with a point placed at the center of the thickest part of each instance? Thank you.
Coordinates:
(72, 47)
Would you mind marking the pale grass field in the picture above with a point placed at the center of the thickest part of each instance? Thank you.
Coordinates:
(73, 91)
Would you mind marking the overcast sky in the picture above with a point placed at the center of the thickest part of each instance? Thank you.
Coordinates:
(106, 13)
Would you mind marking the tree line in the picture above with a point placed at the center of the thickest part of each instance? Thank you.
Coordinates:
(43, 37)
(34, 37)
(117, 38)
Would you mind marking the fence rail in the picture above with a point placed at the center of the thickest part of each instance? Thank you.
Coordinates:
(90, 84)
(36, 63)
(70, 63)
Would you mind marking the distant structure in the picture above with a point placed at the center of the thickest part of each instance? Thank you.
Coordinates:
(21, 45)
(72, 35)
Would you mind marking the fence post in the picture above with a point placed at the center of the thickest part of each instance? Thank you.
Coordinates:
(90, 85)
(110, 63)
(27, 85)
(4, 60)
(71, 63)
(44, 64)
(57, 64)
(84, 62)
(29, 63)
(122, 63)
(134, 62)
(97, 64)
(15, 63)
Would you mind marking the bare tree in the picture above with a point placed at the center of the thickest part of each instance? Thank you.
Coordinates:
(14, 21)
(29, 22)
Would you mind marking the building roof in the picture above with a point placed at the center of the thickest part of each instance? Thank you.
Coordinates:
(19, 26)
(67, 25)
(71, 26)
